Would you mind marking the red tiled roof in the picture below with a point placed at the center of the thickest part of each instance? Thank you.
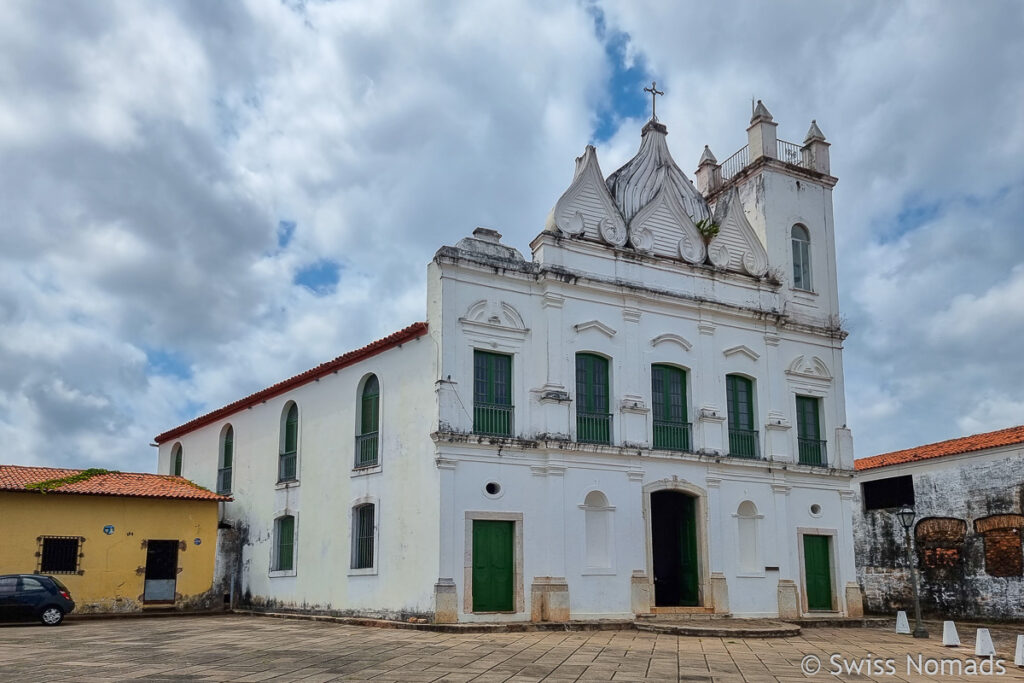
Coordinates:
(965, 444)
(135, 484)
(409, 333)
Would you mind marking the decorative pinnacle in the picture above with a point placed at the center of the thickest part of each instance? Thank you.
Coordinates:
(707, 157)
(761, 112)
(654, 93)
(814, 133)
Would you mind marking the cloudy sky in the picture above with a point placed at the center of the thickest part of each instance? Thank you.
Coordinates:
(199, 199)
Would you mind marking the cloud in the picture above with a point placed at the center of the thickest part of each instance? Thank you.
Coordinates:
(193, 192)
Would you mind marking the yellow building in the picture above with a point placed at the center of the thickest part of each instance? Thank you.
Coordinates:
(120, 541)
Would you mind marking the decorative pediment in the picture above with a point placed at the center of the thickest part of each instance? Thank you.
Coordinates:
(672, 339)
(595, 325)
(497, 314)
(741, 349)
(587, 207)
(810, 367)
(671, 230)
(737, 246)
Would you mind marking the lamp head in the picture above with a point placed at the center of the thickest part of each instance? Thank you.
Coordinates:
(906, 516)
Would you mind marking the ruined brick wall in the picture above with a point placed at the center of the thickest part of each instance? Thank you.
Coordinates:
(968, 539)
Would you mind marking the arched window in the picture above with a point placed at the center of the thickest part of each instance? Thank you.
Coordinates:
(746, 518)
(227, 457)
(368, 437)
(801, 258)
(284, 544)
(593, 421)
(287, 463)
(363, 536)
(668, 394)
(176, 460)
(597, 513)
(739, 395)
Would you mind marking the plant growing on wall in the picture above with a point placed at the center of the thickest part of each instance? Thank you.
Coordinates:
(708, 229)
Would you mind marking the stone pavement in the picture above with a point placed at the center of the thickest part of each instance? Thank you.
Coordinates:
(241, 648)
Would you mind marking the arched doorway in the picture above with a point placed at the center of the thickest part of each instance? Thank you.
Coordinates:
(676, 564)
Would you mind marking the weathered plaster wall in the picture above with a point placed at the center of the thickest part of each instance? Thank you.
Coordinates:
(327, 486)
(967, 535)
(112, 567)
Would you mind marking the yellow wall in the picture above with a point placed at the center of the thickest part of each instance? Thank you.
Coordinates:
(112, 580)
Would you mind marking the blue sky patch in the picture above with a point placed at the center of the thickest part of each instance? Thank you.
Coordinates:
(285, 233)
(166, 362)
(626, 97)
(320, 278)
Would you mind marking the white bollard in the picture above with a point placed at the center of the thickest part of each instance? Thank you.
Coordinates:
(950, 638)
(1018, 658)
(983, 646)
(902, 625)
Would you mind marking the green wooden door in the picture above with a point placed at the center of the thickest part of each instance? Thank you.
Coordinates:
(593, 421)
(817, 573)
(493, 569)
(492, 393)
(668, 391)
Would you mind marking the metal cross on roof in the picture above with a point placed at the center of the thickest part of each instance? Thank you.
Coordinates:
(654, 93)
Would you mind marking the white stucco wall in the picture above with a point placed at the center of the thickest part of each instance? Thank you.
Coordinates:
(404, 488)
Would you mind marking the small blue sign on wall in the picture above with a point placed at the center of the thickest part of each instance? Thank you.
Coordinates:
(108, 529)
(198, 541)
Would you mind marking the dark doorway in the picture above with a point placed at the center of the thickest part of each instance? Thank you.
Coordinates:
(161, 571)
(674, 549)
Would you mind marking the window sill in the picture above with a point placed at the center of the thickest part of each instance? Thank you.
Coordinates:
(369, 571)
(751, 575)
(291, 483)
(598, 571)
(278, 573)
(363, 471)
(804, 296)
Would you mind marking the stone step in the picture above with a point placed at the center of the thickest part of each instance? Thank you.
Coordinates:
(721, 628)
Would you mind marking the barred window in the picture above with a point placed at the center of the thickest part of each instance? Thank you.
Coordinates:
(59, 555)
(362, 536)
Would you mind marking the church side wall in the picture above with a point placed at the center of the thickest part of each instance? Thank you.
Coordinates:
(403, 489)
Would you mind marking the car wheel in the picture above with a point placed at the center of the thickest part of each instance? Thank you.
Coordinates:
(51, 616)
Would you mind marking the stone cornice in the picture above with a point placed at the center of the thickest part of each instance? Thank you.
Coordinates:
(564, 448)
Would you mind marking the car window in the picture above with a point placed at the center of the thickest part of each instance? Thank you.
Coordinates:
(59, 585)
(30, 584)
(8, 584)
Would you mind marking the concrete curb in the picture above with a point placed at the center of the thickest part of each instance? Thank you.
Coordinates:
(511, 627)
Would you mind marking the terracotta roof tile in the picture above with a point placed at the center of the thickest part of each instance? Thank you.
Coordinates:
(409, 333)
(965, 444)
(133, 484)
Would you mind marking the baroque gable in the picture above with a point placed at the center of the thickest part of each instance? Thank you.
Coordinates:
(586, 208)
(664, 227)
(736, 246)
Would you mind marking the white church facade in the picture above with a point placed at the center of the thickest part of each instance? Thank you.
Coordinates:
(646, 417)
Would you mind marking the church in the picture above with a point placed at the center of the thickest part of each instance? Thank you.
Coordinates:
(645, 417)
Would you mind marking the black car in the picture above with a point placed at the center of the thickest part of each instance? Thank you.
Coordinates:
(34, 596)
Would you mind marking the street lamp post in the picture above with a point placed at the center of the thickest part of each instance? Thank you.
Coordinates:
(906, 517)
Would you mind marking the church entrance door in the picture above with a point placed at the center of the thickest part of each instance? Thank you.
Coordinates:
(674, 549)
(493, 566)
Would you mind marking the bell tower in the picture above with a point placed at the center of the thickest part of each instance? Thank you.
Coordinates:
(785, 190)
